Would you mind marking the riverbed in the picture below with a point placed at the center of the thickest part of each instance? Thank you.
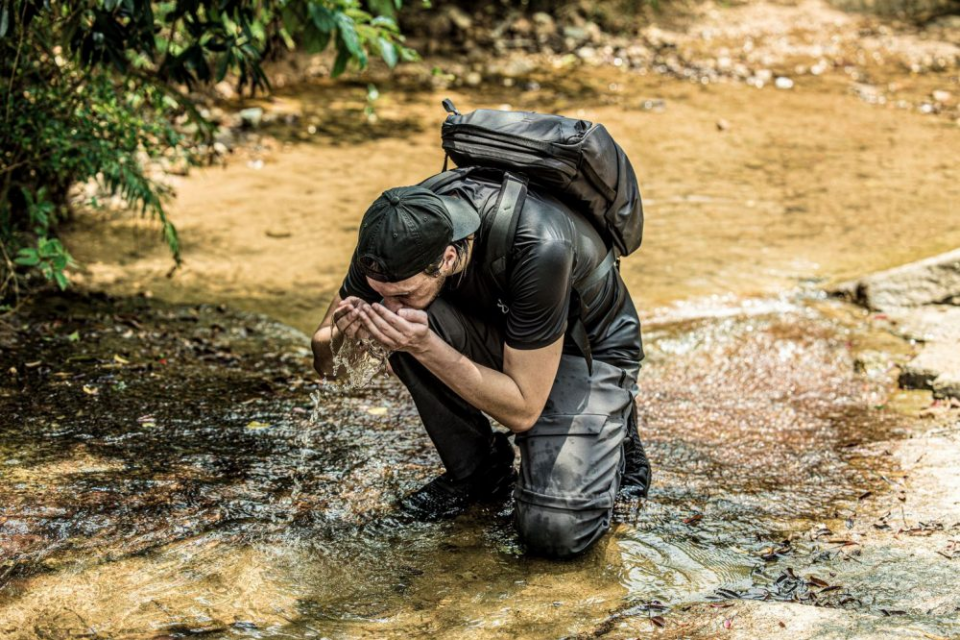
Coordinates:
(163, 476)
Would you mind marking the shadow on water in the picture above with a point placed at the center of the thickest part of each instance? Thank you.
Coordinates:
(161, 478)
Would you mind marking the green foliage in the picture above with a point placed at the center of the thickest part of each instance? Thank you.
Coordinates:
(94, 90)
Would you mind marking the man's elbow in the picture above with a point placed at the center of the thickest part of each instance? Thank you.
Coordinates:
(523, 423)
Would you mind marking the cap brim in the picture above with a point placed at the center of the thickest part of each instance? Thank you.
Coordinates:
(464, 217)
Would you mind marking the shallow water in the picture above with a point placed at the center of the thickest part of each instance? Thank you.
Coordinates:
(186, 491)
(218, 507)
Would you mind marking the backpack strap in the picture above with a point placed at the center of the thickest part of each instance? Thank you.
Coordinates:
(578, 311)
(438, 181)
(513, 192)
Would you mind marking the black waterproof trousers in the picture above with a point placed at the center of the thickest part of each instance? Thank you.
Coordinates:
(571, 461)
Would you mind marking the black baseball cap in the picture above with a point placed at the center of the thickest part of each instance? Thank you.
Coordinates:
(407, 229)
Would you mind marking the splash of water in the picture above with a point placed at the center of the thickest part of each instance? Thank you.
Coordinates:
(358, 361)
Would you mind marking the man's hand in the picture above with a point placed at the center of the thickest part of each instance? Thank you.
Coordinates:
(347, 317)
(407, 330)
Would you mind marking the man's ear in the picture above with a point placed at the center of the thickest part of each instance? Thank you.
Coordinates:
(449, 258)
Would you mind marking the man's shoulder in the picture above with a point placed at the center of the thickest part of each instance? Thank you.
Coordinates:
(545, 220)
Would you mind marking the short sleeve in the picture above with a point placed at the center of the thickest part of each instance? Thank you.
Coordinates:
(355, 284)
(539, 291)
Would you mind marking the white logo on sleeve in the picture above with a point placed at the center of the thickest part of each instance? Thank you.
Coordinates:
(503, 308)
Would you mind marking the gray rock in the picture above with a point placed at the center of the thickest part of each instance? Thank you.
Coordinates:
(460, 20)
(543, 24)
(251, 117)
(947, 385)
(522, 26)
(937, 368)
(936, 360)
(577, 34)
(929, 281)
(518, 67)
(928, 323)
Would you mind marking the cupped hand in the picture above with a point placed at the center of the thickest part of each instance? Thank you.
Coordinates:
(407, 330)
(348, 319)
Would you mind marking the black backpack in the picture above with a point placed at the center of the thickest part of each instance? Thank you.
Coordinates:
(574, 160)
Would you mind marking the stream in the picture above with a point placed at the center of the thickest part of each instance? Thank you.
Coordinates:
(165, 473)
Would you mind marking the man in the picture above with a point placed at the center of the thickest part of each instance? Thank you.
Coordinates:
(466, 349)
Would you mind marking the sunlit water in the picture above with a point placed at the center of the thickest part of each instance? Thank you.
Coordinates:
(242, 514)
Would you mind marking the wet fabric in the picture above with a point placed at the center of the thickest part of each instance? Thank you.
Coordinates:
(553, 248)
(571, 461)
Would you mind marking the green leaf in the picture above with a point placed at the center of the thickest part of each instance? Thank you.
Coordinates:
(348, 34)
(340, 64)
(74, 337)
(323, 18)
(62, 281)
(223, 64)
(28, 258)
(385, 23)
(4, 20)
(315, 40)
(389, 52)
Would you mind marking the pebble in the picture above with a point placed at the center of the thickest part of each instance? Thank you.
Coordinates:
(722, 125)
(251, 117)
(941, 96)
(783, 83)
(657, 104)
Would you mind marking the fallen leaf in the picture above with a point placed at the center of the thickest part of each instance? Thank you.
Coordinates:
(92, 391)
(120, 360)
(658, 621)
(32, 365)
(377, 411)
(727, 623)
(694, 519)
(74, 337)
(256, 424)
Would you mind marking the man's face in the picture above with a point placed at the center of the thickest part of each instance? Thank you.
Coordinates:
(416, 291)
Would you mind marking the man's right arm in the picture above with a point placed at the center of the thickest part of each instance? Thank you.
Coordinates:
(323, 338)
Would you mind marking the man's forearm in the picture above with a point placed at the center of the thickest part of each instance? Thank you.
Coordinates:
(325, 342)
(489, 390)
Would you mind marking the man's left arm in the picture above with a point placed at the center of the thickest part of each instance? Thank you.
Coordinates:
(514, 397)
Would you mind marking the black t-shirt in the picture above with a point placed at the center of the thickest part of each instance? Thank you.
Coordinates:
(553, 248)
